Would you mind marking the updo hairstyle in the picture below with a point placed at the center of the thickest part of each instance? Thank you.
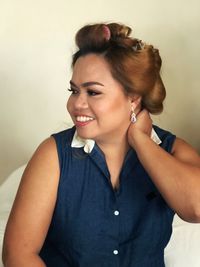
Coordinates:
(134, 64)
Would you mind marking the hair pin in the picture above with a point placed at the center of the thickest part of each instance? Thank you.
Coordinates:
(139, 45)
(107, 32)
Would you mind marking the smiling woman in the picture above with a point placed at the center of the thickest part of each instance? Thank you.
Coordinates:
(104, 192)
(98, 98)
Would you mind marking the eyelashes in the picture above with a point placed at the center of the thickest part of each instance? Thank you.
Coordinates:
(90, 92)
(93, 92)
(72, 91)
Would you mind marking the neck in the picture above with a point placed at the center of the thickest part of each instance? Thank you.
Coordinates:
(114, 149)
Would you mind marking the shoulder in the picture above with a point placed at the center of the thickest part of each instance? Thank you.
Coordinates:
(64, 137)
(43, 167)
(46, 152)
(47, 155)
(179, 148)
(163, 133)
(167, 138)
(185, 152)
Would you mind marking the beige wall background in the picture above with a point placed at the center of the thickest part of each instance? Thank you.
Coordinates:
(36, 43)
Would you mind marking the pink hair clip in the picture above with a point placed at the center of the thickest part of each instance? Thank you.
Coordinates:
(107, 32)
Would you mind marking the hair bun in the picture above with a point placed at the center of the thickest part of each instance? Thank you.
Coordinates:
(119, 30)
(100, 36)
(92, 37)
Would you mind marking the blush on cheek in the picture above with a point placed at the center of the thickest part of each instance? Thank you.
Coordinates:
(109, 107)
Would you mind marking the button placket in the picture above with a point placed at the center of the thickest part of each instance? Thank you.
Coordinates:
(115, 252)
(116, 212)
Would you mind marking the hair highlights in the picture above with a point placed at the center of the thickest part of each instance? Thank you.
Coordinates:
(134, 64)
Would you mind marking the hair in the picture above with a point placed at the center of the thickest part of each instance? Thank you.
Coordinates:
(133, 64)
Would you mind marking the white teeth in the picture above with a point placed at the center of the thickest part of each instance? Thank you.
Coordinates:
(83, 118)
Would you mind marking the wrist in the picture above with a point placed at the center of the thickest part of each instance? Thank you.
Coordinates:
(137, 138)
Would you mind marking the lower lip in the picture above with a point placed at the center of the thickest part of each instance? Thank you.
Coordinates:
(81, 124)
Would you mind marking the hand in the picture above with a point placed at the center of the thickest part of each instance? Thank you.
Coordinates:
(143, 125)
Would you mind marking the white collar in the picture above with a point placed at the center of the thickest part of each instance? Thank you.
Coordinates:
(155, 137)
(88, 144)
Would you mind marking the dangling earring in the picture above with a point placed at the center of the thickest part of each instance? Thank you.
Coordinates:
(133, 116)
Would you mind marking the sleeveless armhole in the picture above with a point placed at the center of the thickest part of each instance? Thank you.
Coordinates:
(63, 142)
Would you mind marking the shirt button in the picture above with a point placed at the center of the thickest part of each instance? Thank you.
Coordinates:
(116, 212)
(115, 252)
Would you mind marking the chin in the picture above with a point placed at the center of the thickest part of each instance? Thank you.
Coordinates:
(84, 134)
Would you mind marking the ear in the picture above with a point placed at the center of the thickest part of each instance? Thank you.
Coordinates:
(136, 103)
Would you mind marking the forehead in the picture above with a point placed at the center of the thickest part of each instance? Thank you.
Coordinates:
(91, 66)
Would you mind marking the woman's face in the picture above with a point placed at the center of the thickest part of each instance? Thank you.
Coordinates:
(98, 105)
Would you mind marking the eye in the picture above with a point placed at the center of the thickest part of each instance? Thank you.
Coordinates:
(73, 91)
(93, 92)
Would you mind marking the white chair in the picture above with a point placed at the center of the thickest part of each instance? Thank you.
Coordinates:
(7, 194)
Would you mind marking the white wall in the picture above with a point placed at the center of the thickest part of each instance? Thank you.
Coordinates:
(36, 43)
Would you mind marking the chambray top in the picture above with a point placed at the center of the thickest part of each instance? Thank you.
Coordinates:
(94, 225)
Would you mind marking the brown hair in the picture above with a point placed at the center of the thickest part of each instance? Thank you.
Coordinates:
(134, 64)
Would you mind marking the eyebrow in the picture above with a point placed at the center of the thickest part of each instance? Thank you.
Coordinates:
(86, 84)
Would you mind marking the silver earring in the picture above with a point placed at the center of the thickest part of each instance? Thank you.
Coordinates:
(133, 116)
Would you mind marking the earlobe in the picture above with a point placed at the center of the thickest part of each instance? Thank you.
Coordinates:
(135, 107)
(133, 115)
(136, 104)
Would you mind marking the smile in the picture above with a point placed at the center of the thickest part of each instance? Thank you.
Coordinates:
(83, 118)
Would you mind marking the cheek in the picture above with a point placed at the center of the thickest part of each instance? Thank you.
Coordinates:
(69, 105)
(116, 106)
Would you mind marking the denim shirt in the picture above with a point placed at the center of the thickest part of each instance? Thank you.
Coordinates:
(94, 225)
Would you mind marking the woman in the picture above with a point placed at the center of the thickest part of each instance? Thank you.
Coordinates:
(104, 192)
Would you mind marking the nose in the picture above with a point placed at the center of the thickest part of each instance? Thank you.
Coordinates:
(81, 102)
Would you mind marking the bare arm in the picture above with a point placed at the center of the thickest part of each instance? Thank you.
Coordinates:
(32, 209)
(176, 176)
